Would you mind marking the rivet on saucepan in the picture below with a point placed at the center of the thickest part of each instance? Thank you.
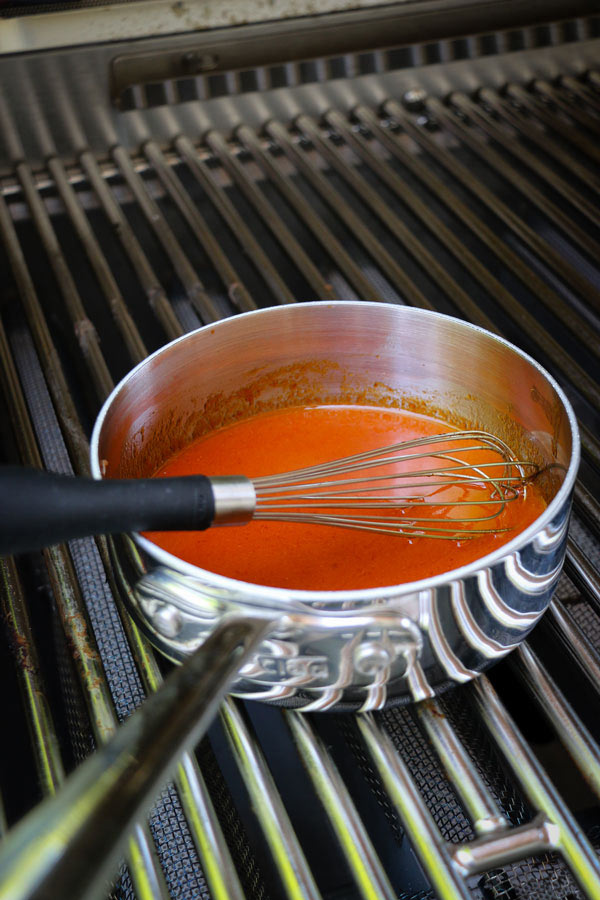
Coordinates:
(167, 620)
(371, 658)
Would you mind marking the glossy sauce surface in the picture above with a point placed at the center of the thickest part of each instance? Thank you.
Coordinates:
(316, 557)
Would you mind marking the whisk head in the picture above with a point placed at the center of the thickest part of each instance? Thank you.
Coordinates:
(447, 486)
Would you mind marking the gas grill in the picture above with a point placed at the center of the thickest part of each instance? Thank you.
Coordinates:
(153, 179)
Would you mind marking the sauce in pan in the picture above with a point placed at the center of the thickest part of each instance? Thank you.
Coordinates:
(315, 557)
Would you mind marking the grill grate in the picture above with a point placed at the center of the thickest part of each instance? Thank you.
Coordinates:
(485, 207)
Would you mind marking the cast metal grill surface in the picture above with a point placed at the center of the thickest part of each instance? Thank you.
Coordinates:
(483, 204)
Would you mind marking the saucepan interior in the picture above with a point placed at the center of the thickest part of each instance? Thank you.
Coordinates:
(374, 354)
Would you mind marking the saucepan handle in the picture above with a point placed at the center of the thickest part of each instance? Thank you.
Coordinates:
(71, 843)
(42, 508)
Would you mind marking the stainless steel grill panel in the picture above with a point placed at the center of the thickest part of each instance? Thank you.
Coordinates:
(483, 206)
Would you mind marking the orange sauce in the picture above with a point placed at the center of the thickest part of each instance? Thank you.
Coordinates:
(314, 557)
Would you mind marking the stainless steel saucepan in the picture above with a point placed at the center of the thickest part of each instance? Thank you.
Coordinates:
(350, 649)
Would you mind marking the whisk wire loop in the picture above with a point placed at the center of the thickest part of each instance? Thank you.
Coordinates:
(314, 494)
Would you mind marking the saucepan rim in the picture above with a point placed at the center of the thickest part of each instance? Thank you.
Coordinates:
(278, 597)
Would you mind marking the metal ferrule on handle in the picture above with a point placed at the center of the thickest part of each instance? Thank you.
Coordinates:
(234, 498)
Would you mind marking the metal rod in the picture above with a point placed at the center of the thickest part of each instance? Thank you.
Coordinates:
(554, 122)
(369, 875)
(585, 503)
(227, 211)
(48, 761)
(82, 326)
(588, 387)
(567, 836)
(551, 257)
(153, 289)
(432, 850)
(396, 226)
(235, 288)
(539, 136)
(106, 279)
(53, 369)
(296, 878)
(589, 209)
(583, 574)
(571, 731)
(580, 649)
(342, 259)
(447, 236)
(70, 844)
(194, 288)
(409, 292)
(270, 217)
(553, 94)
(477, 799)
(582, 91)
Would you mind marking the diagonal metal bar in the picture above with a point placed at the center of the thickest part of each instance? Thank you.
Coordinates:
(371, 880)
(567, 836)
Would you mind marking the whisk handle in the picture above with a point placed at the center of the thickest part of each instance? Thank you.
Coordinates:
(40, 508)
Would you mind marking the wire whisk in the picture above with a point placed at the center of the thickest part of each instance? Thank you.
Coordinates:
(449, 486)
(425, 483)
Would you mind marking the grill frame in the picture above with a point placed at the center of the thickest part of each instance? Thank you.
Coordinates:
(449, 865)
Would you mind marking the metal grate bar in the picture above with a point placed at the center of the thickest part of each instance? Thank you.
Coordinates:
(554, 95)
(465, 213)
(572, 732)
(53, 369)
(540, 137)
(275, 223)
(581, 650)
(583, 91)
(433, 852)
(560, 125)
(584, 575)
(486, 278)
(82, 325)
(367, 870)
(353, 272)
(148, 280)
(226, 209)
(551, 347)
(43, 733)
(195, 290)
(568, 273)
(477, 799)
(109, 286)
(236, 291)
(49, 764)
(563, 832)
(409, 292)
(373, 201)
(288, 856)
(478, 115)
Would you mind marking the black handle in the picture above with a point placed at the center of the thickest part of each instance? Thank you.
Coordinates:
(40, 508)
